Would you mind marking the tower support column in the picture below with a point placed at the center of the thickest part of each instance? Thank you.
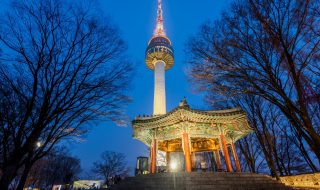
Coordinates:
(235, 156)
(159, 101)
(187, 151)
(225, 152)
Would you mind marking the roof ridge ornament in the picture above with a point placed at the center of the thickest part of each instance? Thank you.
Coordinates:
(184, 103)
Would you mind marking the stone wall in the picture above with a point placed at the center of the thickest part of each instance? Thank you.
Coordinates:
(303, 180)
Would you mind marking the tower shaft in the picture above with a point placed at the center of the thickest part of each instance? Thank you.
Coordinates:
(159, 101)
(159, 57)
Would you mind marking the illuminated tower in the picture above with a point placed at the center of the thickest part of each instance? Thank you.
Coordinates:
(159, 57)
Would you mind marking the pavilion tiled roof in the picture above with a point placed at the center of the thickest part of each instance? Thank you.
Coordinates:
(199, 123)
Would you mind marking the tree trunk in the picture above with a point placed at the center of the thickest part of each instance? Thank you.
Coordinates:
(248, 157)
(307, 158)
(278, 162)
(267, 154)
(24, 175)
(315, 144)
(5, 182)
(304, 128)
(298, 140)
(8, 175)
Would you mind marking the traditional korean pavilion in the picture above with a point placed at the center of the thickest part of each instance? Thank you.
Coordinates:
(184, 129)
(189, 131)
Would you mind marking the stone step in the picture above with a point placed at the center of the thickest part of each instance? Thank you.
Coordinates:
(206, 177)
(203, 183)
(202, 188)
(265, 186)
(200, 181)
(206, 184)
(207, 181)
(203, 178)
(205, 174)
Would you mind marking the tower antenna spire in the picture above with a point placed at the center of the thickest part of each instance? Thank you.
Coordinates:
(159, 27)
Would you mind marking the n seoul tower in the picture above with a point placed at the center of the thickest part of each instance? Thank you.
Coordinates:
(159, 57)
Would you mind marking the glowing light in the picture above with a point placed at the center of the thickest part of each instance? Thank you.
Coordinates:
(159, 31)
(38, 144)
(173, 166)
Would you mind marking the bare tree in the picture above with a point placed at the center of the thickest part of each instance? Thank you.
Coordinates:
(62, 66)
(111, 164)
(271, 143)
(268, 49)
(251, 155)
(57, 167)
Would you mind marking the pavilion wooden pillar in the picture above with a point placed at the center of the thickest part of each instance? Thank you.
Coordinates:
(235, 156)
(218, 159)
(153, 155)
(193, 160)
(168, 160)
(150, 166)
(225, 152)
(187, 151)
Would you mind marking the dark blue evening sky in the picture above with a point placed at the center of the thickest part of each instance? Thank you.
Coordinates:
(136, 21)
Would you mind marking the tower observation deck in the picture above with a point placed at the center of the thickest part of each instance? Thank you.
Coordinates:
(159, 57)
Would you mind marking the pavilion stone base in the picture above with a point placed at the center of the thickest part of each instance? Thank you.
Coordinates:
(303, 181)
(200, 181)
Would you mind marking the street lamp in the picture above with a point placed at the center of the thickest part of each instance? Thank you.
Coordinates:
(38, 144)
(173, 166)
